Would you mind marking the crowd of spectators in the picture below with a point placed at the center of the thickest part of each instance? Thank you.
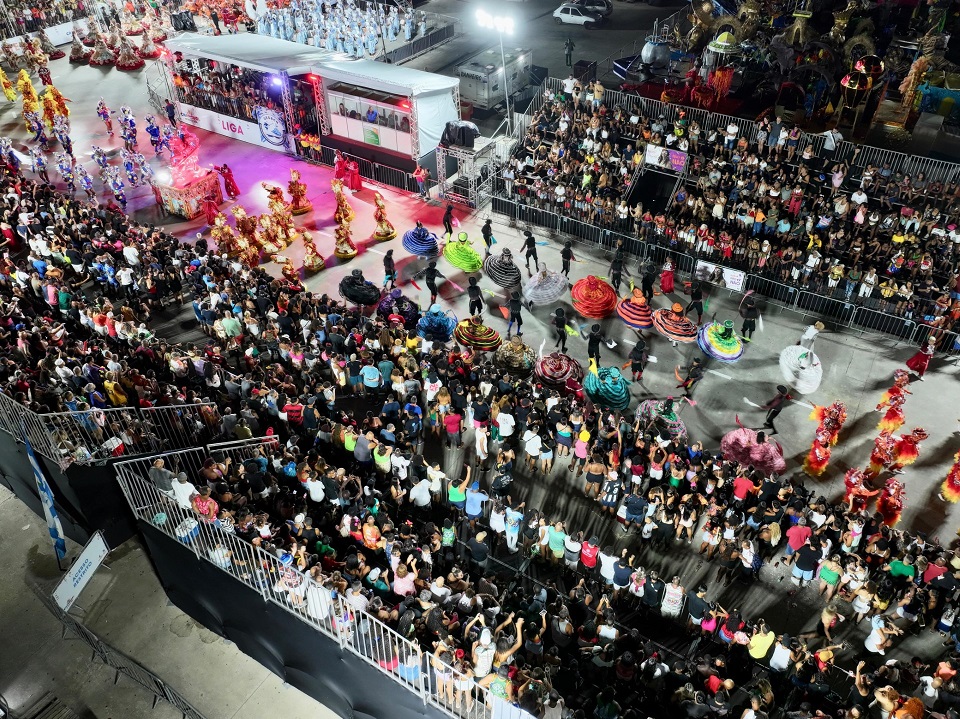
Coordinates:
(227, 89)
(359, 506)
(773, 206)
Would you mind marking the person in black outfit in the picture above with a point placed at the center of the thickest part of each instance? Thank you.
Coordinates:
(750, 313)
(696, 300)
(487, 233)
(566, 256)
(559, 322)
(616, 270)
(215, 19)
(638, 356)
(476, 297)
(694, 375)
(593, 343)
(430, 274)
(514, 304)
(448, 221)
(775, 406)
(647, 278)
(530, 249)
(389, 270)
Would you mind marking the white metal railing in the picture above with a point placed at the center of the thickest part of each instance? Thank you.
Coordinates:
(313, 601)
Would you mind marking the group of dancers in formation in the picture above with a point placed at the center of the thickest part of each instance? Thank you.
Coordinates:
(114, 46)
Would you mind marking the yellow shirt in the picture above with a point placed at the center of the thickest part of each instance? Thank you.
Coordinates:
(760, 644)
(898, 238)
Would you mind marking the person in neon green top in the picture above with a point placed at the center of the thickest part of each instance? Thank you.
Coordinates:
(457, 493)
(555, 540)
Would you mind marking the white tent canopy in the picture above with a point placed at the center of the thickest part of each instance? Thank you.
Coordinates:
(258, 52)
(394, 79)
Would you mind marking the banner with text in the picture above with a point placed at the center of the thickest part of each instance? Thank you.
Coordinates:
(80, 573)
(664, 159)
(268, 131)
(723, 276)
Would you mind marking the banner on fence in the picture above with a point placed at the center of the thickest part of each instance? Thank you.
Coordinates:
(46, 499)
(724, 276)
(82, 571)
(664, 159)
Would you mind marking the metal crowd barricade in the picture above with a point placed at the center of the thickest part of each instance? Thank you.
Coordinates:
(874, 320)
(120, 662)
(358, 632)
(182, 425)
(946, 341)
(241, 450)
(98, 434)
(776, 291)
(814, 303)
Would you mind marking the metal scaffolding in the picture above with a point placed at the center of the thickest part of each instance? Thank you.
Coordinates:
(476, 167)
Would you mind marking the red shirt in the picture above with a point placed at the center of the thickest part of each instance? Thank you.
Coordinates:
(713, 683)
(742, 486)
(588, 555)
(451, 422)
(797, 536)
(933, 571)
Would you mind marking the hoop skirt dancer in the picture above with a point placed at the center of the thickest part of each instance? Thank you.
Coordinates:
(673, 325)
(919, 363)
(801, 369)
(719, 341)
(545, 287)
(666, 277)
(437, 323)
(358, 290)
(473, 333)
(397, 308)
(593, 298)
(606, 387)
(748, 446)
(635, 311)
(557, 370)
(421, 242)
(515, 357)
(502, 269)
(461, 254)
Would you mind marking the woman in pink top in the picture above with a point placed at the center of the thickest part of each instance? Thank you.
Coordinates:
(581, 447)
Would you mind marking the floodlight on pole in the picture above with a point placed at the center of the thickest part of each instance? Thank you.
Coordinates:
(501, 24)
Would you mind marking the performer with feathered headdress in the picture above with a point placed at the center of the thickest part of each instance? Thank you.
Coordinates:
(890, 501)
(830, 421)
(907, 449)
(893, 400)
(950, 489)
(857, 491)
(882, 455)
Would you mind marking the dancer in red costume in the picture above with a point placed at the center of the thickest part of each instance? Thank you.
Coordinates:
(857, 493)
(210, 208)
(907, 449)
(354, 182)
(882, 455)
(229, 183)
(666, 277)
(831, 421)
(593, 298)
(339, 166)
(950, 489)
(893, 399)
(890, 502)
(919, 363)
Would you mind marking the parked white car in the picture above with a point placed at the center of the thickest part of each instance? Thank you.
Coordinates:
(573, 14)
(600, 7)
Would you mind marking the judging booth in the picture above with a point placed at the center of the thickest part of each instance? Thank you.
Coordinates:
(296, 99)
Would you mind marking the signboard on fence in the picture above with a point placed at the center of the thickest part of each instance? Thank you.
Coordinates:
(80, 574)
(722, 276)
(268, 131)
(664, 159)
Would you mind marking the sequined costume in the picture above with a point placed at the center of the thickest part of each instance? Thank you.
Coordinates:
(635, 311)
(545, 287)
(385, 229)
(473, 333)
(829, 423)
(745, 446)
(890, 501)
(437, 323)
(718, 341)
(557, 369)
(893, 400)
(312, 260)
(502, 269)
(856, 491)
(907, 449)
(593, 298)
(606, 387)
(461, 254)
(882, 455)
(673, 325)
(358, 290)
(660, 415)
(515, 357)
(421, 242)
(950, 489)
(396, 308)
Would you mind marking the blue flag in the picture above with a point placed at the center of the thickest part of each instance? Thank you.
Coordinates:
(46, 499)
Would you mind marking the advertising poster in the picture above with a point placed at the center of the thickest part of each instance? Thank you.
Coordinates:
(722, 276)
(664, 159)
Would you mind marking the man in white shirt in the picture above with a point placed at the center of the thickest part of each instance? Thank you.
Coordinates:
(532, 444)
(568, 85)
(315, 490)
(183, 491)
(131, 254)
(506, 424)
(420, 493)
(859, 197)
(832, 138)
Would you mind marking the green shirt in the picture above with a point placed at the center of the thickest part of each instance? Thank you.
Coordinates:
(456, 494)
(899, 569)
(556, 538)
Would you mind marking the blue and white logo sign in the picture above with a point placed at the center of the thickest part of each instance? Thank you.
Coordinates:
(273, 130)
